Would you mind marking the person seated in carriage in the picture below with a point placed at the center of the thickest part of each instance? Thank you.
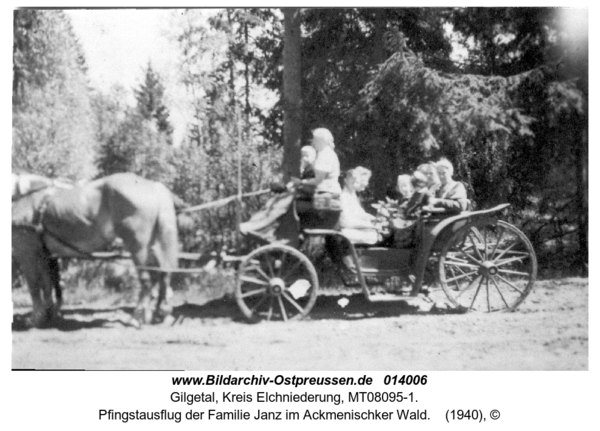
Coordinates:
(430, 171)
(451, 195)
(319, 196)
(420, 197)
(436, 189)
(276, 221)
(405, 188)
(355, 223)
(402, 226)
(308, 156)
(424, 183)
(326, 165)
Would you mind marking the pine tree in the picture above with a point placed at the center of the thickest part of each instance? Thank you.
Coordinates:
(151, 106)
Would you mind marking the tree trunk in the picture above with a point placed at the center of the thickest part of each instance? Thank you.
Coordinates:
(292, 102)
(378, 52)
(247, 74)
(231, 61)
(582, 202)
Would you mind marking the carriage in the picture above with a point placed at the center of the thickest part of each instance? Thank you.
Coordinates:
(479, 261)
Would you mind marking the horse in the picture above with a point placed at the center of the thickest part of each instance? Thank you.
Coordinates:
(53, 220)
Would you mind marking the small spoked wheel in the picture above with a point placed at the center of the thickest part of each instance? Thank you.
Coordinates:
(487, 265)
(276, 282)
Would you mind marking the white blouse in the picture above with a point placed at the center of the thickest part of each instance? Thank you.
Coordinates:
(327, 162)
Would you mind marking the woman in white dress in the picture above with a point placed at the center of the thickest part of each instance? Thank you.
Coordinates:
(355, 223)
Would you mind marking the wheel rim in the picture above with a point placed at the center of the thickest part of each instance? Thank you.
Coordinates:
(487, 266)
(276, 282)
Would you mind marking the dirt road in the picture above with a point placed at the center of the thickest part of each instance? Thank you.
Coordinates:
(549, 331)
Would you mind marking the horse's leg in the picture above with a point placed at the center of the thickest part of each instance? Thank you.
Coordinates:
(54, 268)
(135, 241)
(38, 313)
(165, 250)
(162, 308)
(33, 258)
(143, 312)
(162, 279)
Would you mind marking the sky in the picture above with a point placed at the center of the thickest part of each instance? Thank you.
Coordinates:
(119, 43)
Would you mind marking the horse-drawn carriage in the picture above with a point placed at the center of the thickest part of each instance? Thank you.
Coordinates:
(480, 262)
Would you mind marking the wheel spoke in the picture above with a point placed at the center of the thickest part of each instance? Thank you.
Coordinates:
(510, 284)
(476, 292)
(294, 303)
(485, 243)
(454, 258)
(498, 241)
(487, 292)
(260, 271)
(470, 286)
(269, 264)
(508, 271)
(253, 280)
(458, 263)
(471, 258)
(258, 304)
(500, 292)
(466, 274)
(503, 252)
(475, 246)
(283, 313)
(462, 272)
(291, 270)
(270, 312)
(454, 275)
(253, 292)
(282, 263)
(512, 259)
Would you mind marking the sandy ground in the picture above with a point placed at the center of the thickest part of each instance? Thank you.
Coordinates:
(549, 331)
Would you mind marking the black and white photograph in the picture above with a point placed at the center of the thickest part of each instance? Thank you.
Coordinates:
(300, 189)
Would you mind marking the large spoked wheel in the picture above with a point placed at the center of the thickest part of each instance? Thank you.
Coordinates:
(487, 266)
(276, 282)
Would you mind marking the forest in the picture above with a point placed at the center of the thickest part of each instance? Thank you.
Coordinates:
(502, 92)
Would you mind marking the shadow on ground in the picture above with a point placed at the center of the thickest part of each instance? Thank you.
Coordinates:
(326, 307)
(74, 319)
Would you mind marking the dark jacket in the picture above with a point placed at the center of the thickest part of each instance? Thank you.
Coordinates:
(453, 197)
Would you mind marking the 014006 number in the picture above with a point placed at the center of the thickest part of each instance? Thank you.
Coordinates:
(405, 380)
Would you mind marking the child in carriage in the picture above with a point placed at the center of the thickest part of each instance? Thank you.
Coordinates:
(403, 224)
(308, 155)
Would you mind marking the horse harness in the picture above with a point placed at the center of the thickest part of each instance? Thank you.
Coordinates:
(37, 223)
